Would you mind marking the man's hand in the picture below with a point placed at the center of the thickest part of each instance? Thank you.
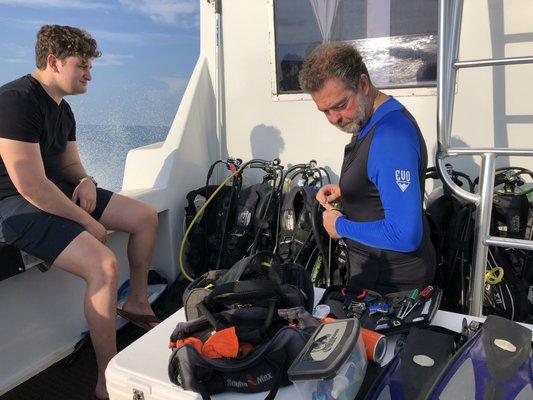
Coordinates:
(96, 229)
(328, 194)
(85, 193)
(329, 218)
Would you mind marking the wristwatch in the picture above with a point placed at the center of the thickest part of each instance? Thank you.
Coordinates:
(91, 178)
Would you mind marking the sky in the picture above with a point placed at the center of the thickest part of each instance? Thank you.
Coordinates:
(149, 49)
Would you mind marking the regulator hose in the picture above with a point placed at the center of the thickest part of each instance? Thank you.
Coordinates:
(250, 164)
(196, 217)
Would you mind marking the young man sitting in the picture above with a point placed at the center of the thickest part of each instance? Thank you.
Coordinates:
(50, 207)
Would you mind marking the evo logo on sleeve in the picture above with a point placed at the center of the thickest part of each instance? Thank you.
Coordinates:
(403, 178)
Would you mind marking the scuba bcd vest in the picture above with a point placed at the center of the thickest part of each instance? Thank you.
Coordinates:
(252, 228)
(234, 224)
(296, 234)
(206, 236)
(303, 240)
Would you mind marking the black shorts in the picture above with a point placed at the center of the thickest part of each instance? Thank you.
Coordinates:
(39, 233)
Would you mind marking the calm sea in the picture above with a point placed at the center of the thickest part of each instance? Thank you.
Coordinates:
(103, 149)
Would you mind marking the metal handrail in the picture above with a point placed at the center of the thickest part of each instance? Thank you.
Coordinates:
(466, 151)
(506, 242)
(450, 184)
(494, 62)
(446, 79)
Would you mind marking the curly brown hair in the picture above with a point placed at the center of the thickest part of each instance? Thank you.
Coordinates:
(63, 41)
(332, 61)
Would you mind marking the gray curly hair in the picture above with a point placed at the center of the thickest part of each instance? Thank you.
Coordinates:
(332, 61)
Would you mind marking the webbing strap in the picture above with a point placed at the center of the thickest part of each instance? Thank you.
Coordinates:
(235, 290)
(236, 272)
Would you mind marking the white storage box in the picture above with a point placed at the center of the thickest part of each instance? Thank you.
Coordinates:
(140, 371)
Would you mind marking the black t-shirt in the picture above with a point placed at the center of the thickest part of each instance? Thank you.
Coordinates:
(29, 114)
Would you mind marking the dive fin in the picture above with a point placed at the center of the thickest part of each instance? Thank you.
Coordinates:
(495, 364)
(411, 372)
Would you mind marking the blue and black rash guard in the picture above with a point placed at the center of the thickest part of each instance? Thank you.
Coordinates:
(382, 186)
(393, 167)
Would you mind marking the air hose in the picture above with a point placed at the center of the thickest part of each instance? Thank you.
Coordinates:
(250, 164)
(196, 217)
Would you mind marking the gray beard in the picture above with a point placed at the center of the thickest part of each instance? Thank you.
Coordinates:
(352, 127)
(361, 118)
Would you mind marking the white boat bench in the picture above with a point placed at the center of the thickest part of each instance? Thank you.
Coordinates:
(18, 261)
(52, 303)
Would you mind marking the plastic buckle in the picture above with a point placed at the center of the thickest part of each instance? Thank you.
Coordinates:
(396, 322)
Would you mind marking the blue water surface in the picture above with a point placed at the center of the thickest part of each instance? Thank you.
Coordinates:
(103, 149)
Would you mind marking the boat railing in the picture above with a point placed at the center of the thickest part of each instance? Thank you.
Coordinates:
(450, 16)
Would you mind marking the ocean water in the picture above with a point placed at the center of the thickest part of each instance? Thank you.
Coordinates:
(103, 149)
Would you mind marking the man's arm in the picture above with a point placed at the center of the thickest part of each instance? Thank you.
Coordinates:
(25, 168)
(72, 168)
(73, 171)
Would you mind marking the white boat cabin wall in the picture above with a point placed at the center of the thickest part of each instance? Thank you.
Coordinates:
(250, 78)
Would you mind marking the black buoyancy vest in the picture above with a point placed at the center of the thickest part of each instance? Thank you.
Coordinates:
(360, 197)
(253, 213)
(361, 200)
(296, 225)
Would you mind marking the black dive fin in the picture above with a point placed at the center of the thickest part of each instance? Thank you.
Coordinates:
(411, 372)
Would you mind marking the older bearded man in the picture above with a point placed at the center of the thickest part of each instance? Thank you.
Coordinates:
(381, 185)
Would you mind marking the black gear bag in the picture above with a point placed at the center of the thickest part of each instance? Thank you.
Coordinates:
(276, 345)
(260, 280)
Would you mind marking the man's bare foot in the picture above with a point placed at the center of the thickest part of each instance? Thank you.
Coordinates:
(100, 391)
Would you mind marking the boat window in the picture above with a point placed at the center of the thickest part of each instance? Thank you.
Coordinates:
(397, 38)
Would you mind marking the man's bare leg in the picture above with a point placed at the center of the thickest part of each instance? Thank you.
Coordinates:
(89, 259)
(140, 221)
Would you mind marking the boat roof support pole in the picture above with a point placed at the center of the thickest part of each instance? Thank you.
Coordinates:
(446, 78)
(448, 64)
(219, 79)
(481, 231)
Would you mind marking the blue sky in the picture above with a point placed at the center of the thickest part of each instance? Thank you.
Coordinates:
(149, 50)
